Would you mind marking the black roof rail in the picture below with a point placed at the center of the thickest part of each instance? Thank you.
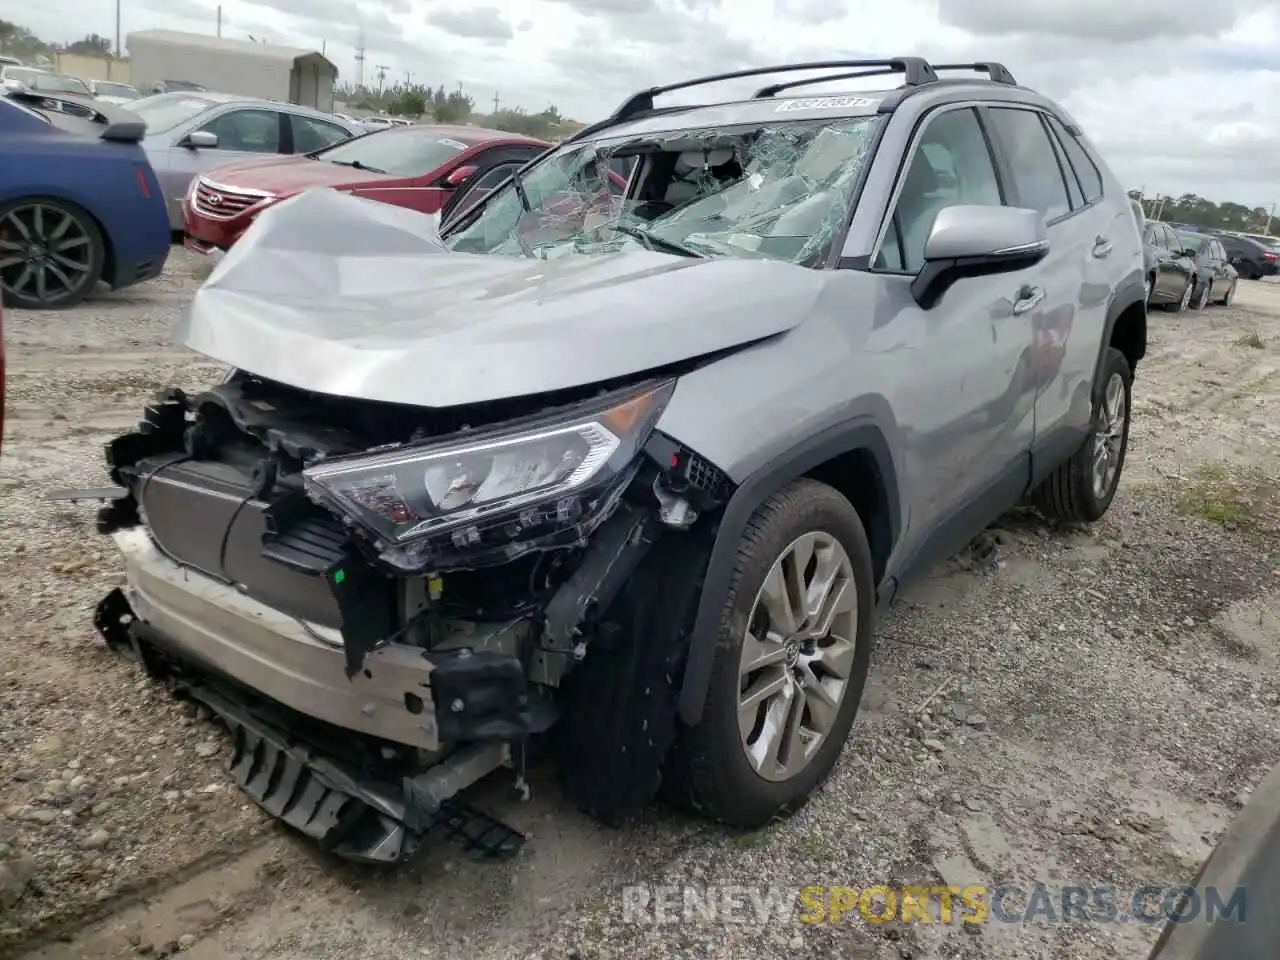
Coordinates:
(775, 88)
(915, 70)
(998, 72)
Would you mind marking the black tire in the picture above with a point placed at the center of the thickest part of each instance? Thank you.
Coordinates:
(1180, 305)
(1202, 295)
(1068, 493)
(89, 270)
(1229, 295)
(707, 769)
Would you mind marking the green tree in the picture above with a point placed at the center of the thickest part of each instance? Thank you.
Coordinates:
(18, 41)
(456, 107)
(408, 103)
(92, 45)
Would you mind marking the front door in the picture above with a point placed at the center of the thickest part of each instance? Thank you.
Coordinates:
(244, 133)
(968, 408)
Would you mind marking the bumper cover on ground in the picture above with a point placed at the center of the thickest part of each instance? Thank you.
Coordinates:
(268, 678)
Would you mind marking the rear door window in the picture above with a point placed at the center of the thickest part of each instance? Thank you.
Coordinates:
(1037, 175)
(1086, 170)
(311, 134)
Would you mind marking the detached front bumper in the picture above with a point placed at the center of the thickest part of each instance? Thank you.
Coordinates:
(299, 665)
(213, 644)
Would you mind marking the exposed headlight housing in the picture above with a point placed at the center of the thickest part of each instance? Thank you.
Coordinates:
(497, 494)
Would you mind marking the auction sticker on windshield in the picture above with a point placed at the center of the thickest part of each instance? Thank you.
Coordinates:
(826, 103)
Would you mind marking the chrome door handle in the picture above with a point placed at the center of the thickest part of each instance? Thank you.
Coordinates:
(1101, 246)
(1028, 299)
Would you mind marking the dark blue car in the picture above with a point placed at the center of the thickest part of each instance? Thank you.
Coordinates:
(79, 201)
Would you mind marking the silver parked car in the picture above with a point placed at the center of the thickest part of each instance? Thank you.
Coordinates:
(191, 132)
(632, 464)
(112, 91)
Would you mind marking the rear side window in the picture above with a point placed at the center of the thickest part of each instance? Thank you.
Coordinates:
(1037, 176)
(1085, 169)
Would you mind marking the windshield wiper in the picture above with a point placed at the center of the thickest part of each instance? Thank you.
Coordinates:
(652, 241)
(357, 165)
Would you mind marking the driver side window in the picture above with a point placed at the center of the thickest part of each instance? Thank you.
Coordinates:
(951, 166)
(248, 131)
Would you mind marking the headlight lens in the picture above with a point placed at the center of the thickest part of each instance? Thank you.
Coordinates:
(424, 501)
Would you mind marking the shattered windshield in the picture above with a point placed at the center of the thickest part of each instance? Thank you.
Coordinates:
(780, 190)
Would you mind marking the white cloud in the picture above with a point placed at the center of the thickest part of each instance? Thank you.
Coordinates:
(1180, 96)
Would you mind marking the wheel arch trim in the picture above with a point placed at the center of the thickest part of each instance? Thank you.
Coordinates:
(858, 434)
(1128, 295)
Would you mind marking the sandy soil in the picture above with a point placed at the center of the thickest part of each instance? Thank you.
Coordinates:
(1097, 704)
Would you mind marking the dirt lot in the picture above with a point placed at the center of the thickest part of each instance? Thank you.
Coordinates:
(1099, 703)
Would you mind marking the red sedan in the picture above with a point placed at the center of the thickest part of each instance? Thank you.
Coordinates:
(418, 167)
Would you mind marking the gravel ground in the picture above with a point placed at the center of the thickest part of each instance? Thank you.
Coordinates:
(1069, 706)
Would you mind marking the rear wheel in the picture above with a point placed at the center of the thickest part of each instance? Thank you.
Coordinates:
(1202, 295)
(51, 253)
(1081, 489)
(791, 659)
(1230, 295)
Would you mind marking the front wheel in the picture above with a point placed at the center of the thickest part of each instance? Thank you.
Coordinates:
(51, 253)
(1202, 295)
(1230, 295)
(1081, 489)
(1181, 303)
(791, 658)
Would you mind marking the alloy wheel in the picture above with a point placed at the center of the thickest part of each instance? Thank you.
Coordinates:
(1108, 439)
(797, 655)
(1186, 297)
(46, 253)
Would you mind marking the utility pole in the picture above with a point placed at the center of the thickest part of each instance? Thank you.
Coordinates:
(496, 101)
(382, 73)
(117, 29)
(360, 60)
(1270, 213)
(219, 21)
(408, 78)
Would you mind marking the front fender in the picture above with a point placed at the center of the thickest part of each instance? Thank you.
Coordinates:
(860, 433)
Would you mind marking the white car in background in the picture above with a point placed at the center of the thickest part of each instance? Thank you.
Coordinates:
(111, 91)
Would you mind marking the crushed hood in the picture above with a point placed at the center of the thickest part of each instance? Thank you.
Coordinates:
(345, 296)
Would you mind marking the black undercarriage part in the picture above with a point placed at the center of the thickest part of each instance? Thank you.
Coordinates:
(359, 798)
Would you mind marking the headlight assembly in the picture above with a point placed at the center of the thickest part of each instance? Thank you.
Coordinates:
(505, 491)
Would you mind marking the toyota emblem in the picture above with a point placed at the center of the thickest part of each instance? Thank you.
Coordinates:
(215, 199)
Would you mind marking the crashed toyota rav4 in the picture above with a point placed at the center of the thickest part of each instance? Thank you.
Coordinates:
(628, 471)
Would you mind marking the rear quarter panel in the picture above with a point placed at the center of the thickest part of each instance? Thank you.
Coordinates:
(100, 177)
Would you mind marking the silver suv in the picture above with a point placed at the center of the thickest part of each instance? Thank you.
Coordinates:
(624, 458)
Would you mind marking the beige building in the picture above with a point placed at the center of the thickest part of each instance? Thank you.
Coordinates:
(291, 74)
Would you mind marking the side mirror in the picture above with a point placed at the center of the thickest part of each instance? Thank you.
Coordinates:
(460, 176)
(978, 241)
(201, 140)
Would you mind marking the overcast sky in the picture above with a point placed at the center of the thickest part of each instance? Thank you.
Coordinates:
(1180, 95)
